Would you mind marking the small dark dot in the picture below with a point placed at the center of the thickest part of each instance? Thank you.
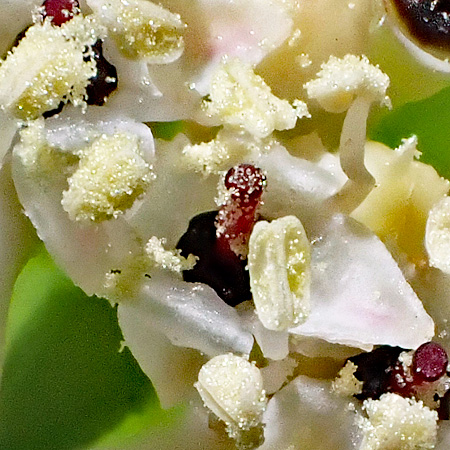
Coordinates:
(53, 112)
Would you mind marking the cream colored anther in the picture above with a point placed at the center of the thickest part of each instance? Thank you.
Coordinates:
(279, 265)
(232, 388)
(142, 29)
(437, 235)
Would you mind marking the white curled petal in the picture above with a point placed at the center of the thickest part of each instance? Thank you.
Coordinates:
(296, 413)
(92, 251)
(359, 296)
(172, 370)
(273, 344)
(175, 197)
(192, 315)
(71, 131)
(297, 186)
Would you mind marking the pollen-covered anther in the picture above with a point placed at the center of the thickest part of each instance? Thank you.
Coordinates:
(241, 98)
(168, 259)
(341, 80)
(232, 388)
(350, 84)
(397, 422)
(142, 29)
(280, 275)
(111, 175)
(346, 383)
(437, 235)
(41, 159)
(230, 147)
(48, 66)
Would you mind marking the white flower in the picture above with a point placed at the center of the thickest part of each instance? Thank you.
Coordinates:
(111, 203)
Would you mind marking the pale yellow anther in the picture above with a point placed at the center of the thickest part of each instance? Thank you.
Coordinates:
(279, 265)
(437, 235)
(343, 79)
(398, 423)
(232, 388)
(111, 176)
(142, 29)
(241, 98)
(168, 259)
(49, 66)
(346, 383)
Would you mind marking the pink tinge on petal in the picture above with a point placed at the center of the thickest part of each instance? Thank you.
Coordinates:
(359, 295)
(248, 30)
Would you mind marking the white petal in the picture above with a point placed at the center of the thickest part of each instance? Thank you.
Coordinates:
(296, 186)
(295, 415)
(192, 315)
(247, 29)
(276, 373)
(313, 347)
(273, 344)
(359, 296)
(174, 198)
(173, 370)
(86, 253)
(150, 93)
(72, 130)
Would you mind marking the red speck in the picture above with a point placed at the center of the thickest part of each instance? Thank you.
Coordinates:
(60, 11)
(246, 184)
(430, 362)
(238, 215)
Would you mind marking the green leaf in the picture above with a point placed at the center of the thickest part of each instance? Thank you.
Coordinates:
(429, 120)
(65, 382)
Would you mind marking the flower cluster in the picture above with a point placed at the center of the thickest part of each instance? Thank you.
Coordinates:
(246, 249)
